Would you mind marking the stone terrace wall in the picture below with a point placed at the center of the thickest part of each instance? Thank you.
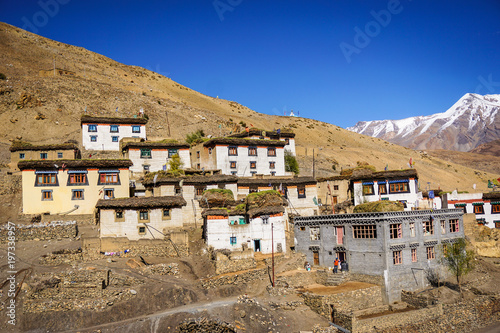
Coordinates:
(373, 279)
(41, 231)
(417, 301)
(228, 266)
(235, 279)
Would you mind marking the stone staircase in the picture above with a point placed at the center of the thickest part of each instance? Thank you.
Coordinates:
(336, 279)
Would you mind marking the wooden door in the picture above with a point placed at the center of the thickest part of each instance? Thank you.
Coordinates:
(316, 258)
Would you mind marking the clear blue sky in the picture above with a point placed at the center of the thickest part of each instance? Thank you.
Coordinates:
(338, 61)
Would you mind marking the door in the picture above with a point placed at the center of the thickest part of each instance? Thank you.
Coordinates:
(340, 235)
(316, 258)
(341, 256)
(256, 245)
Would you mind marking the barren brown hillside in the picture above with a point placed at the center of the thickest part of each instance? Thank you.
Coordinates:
(47, 109)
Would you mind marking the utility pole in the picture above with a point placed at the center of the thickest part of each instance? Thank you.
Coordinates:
(314, 169)
(168, 124)
(272, 248)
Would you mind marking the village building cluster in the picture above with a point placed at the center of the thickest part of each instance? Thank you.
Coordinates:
(136, 198)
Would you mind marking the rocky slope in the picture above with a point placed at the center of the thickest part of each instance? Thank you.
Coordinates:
(40, 107)
(470, 122)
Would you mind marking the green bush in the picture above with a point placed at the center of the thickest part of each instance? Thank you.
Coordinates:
(291, 164)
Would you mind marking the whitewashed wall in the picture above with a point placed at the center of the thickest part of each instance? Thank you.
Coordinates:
(104, 136)
(410, 197)
(159, 157)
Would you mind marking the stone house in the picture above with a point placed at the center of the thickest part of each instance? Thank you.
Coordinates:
(280, 135)
(191, 188)
(256, 230)
(485, 206)
(402, 247)
(140, 218)
(105, 133)
(149, 156)
(397, 185)
(28, 152)
(240, 157)
(333, 190)
(71, 186)
(300, 192)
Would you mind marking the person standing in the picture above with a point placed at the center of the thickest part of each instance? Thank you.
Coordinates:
(335, 265)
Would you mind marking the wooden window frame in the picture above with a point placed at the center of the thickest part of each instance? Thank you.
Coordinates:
(365, 231)
(232, 151)
(109, 178)
(271, 152)
(47, 195)
(139, 228)
(382, 189)
(77, 179)
(428, 227)
(77, 194)
(478, 209)
(396, 230)
(119, 218)
(412, 229)
(495, 208)
(252, 151)
(301, 192)
(109, 190)
(454, 225)
(431, 253)
(368, 189)
(46, 179)
(232, 164)
(253, 164)
(168, 216)
(403, 187)
(315, 233)
(397, 257)
(140, 215)
(414, 257)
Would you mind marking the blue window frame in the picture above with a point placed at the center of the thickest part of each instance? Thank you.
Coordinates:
(93, 138)
(77, 195)
(21, 156)
(114, 139)
(92, 128)
(113, 128)
(136, 129)
(172, 152)
(232, 240)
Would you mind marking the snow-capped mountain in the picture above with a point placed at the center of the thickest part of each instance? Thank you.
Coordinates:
(470, 122)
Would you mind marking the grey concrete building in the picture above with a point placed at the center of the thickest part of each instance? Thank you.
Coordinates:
(402, 247)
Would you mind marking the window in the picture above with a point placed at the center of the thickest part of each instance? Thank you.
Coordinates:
(314, 233)
(271, 151)
(301, 192)
(253, 190)
(397, 259)
(382, 189)
(145, 153)
(232, 164)
(119, 217)
(398, 187)
(136, 129)
(46, 179)
(495, 208)
(113, 128)
(273, 173)
(413, 255)
(232, 240)
(210, 150)
(92, 128)
(46, 195)
(367, 189)
(443, 227)
(233, 173)
(21, 156)
(166, 214)
(76, 194)
(335, 187)
(93, 138)
(233, 151)
(302, 228)
(454, 226)
(253, 165)
(197, 154)
(272, 165)
(252, 151)
(109, 178)
(428, 228)
(172, 152)
(497, 224)
(59, 155)
(142, 230)
(143, 215)
(43, 156)
(396, 231)
(77, 178)
(430, 253)
(114, 139)
(478, 209)
(364, 231)
(265, 219)
(412, 229)
(109, 193)
(145, 167)
(200, 190)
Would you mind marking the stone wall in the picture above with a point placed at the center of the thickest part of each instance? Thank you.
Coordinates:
(242, 279)
(79, 218)
(373, 279)
(417, 301)
(41, 231)
(225, 265)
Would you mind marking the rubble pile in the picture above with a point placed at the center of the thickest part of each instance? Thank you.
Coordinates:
(162, 269)
(202, 325)
(246, 300)
(285, 305)
(281, 288)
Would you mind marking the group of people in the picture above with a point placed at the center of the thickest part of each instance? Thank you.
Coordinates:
(340, 264)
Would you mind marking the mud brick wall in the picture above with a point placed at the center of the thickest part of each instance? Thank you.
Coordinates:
(228, 266)
(39, 231)
(235, 279)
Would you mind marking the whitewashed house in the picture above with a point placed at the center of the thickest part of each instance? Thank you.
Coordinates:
(398, 185)
(105, 133)
(280, 134)
(240, 157)
(261, 230)
(150, 156)
(486, 206)
(140, 218)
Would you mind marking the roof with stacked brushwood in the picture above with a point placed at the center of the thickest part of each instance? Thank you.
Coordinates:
(164, 178)
(69, 164)
(154, 144)
(332, 178)
(275, 181)
(383, 175)
(142, 202)
(244, 142)
(19, 146)
(491, 195)
(112, 120)
(284, 133)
